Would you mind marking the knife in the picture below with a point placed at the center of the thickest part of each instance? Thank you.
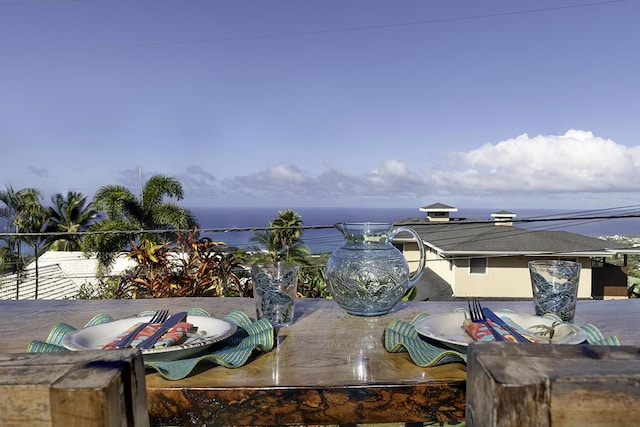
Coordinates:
(498, 321)
(166, 325)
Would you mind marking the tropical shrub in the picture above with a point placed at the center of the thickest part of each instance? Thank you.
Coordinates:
(191, 267)
(105, 288)
(312, 282)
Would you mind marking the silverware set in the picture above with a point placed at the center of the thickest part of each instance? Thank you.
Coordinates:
(166, 325)
(477, 316)
(159, 317)
(490, 315)
(482, 315)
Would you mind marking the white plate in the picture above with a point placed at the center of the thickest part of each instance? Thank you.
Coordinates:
(210, 331)
(447, 328)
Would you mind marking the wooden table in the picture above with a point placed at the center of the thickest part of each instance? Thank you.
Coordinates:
(328, 367)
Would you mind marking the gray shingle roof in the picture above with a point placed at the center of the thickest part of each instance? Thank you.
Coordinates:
(503, 212)
(438, 206)
(60, 275)
(432, 287)
(478, 237)
(53, 283)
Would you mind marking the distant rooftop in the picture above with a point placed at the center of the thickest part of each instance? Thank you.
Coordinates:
(438, 207)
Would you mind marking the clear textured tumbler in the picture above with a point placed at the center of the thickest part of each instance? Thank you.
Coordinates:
(555, 287)
(274, 290)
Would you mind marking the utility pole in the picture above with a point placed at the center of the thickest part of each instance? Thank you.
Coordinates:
(140, 180)
(18, 266)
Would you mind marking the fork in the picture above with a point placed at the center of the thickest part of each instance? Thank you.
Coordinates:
(477, 316)
(159, 317)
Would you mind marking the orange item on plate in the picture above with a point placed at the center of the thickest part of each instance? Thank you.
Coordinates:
(480, 332)
(173, 336)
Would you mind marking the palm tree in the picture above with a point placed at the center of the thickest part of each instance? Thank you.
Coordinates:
(24, 214)
(16, 204)
(265, 245)
(5, 258)
(69, 215)
(34, 220)
(127, 212)
(282, 241)
(286, 230)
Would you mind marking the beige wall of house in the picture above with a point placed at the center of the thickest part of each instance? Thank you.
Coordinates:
(505, 277)
(440, 266)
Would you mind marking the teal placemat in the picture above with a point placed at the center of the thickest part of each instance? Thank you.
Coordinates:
(401, 337)
(235, 351)
(594, 335)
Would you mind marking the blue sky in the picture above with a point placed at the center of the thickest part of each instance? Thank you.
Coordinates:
(530, 104)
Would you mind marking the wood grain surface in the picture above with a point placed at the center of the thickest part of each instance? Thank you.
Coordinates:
(92, 389)
(328, 367)
(552, 385)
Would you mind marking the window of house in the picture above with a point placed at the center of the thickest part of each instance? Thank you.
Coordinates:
(477, 265)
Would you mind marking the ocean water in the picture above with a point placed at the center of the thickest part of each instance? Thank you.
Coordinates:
(327, 238)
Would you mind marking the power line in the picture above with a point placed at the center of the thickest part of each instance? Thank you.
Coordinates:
(305, 227)
(480, 223)
(27, 3)
(544, 222)
(315, 32)
(327, 239)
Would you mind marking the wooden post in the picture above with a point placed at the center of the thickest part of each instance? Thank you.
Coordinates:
(69, 389)
(547, 385)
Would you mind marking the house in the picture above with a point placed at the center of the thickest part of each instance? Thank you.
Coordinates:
(60, 275)
(489, 258)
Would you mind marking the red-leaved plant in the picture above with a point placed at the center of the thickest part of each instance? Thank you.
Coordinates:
(190, 267)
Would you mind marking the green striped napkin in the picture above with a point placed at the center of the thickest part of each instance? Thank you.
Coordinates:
(237, 349)
(402, 337)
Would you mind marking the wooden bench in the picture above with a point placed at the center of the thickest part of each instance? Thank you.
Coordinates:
(552, 385)
(92, 388)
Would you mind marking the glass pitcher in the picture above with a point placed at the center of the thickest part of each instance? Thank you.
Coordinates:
(367, 275)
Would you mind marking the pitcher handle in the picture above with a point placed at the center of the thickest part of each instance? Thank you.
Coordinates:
(414, 276)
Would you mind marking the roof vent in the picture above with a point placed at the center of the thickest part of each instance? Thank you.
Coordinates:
(503, 218)
(438, 212)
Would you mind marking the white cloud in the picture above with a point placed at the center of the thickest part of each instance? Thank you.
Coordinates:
(275, 178)
(575, 161)
(566, 167)
(394, 176)
(390, 180)
(198, 182)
